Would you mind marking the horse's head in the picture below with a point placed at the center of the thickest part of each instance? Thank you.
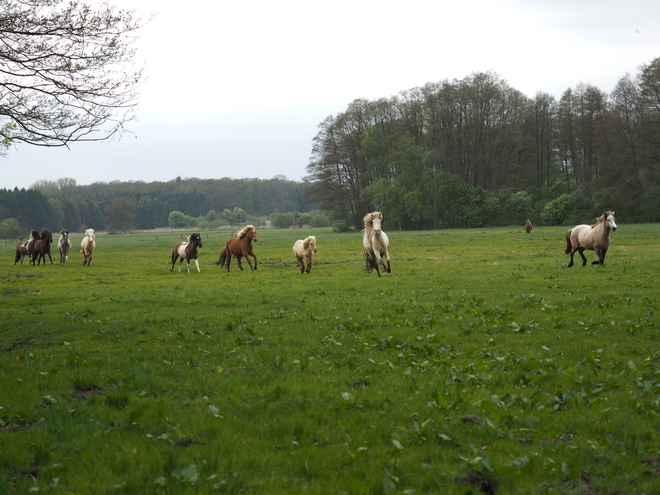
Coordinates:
(47, 236)
(34, 234)
(250, 232)
(311, 242)
(609, 219)
(196, 239)
(375, 222)
(64, 233)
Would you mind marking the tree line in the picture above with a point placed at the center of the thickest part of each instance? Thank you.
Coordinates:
(126, 206)
(477, 152)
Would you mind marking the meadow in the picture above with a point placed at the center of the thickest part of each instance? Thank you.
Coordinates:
(481, 364)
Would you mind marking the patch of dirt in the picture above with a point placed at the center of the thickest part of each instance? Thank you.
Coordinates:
(486, 484)
(471, 418)
(21, 343)
(17, 474)
(82, 393)
(16, 425)
(186, 442)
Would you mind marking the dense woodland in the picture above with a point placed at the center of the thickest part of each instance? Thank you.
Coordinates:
(477, 152)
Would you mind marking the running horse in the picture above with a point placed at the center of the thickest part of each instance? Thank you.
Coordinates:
(595, 237)
(25, 248)
(375, 243)
(187, 251)
(87, 246)
(241, 247)
(64, 245)
(41, 248)
(528, 226)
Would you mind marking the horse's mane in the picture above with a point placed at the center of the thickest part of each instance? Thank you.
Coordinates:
(244, 231)
(369, 221)
(602, 218)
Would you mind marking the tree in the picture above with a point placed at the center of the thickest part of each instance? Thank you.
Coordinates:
(120, 214)
(63, 71)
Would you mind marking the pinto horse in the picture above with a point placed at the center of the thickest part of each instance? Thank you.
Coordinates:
(25, 248)
(304, 250)
(375, 243)
(41, 248)
(187, 251)
(595, 237)
(87, 245)
(64, 245)
(241, 247)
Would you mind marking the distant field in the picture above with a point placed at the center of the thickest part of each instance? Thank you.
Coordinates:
(480, 364)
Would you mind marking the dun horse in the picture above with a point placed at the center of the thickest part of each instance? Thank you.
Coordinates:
(64, 245)
(595, 237)
(87, 245)
(241, 247)
(304, 250)
(25, 248)
(41, 248)
(187, 251)
(375, 243)
(528, 226)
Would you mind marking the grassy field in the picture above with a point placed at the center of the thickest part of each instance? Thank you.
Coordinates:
(481, 364)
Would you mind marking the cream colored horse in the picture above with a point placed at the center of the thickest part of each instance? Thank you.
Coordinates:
(375, 243)
(304, 250)
(88, 244)
(595, 237)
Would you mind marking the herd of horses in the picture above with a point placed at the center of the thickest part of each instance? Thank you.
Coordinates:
(594, 237)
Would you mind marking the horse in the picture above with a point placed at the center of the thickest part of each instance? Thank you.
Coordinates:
(25, 248)
(528, 226)
(240, 246)
(304, 250)
(64, 245)
(41, 248)
(595, 237)
(88, 244)
(187, 251)
(375, 243)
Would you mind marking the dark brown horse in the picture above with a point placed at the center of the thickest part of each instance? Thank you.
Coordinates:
(42, 248)
(64, 245)
(528, 226)
(241, 247)
(25, 248)
(187, 251)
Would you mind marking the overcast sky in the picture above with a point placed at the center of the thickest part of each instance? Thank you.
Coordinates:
(238, 89)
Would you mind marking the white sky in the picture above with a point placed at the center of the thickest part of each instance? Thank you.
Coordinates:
(237, 89)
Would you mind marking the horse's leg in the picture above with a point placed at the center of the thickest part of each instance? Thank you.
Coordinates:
(255, 259)
(238, 258)
(228, 262)
(197, 264)
(601, 256)
(387, 257)
(377, 260)
(301, 264)
(49, 257)
(247, 258)
(584, 258)
(309, 264)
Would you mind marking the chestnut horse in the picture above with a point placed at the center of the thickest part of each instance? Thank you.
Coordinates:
(64, 245)
(87, 245)
(187, 251)
(41, 248)
(375, 243)
(528, 226)
(595, 237)
(304, 250)
(25, 248)
(241, 247)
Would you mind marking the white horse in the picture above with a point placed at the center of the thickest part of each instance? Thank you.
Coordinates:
(64, 245)
(375, 243)
(88, 244)
(304, 250)
(595, 237)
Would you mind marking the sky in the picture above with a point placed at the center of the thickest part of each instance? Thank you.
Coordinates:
(238, 89)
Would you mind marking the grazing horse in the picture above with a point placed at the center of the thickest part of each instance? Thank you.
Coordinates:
(26, 248)
(64, 245)
(304, 250)
(375, 243)
(41, 248)
(528, 226)
(595, 237)
(88, 244)
(240, 247)
(187, 251)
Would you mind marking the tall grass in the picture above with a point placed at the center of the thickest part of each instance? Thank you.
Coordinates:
(480, 364)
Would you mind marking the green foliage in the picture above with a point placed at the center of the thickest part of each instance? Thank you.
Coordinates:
(178, 220)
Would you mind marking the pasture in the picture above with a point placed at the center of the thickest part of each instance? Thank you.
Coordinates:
(481, 364)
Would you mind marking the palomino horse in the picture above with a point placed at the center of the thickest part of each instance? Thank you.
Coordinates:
(64, 245)
(240, 247)
(595, 237)
(375, 243)
(528, 226)
(25, 248)
(187, 251)
(304, 250)
(87, 245)
(41, 248)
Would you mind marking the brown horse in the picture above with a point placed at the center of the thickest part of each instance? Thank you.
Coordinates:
(41, 248)
(528, 226)
(64, 245)
(595, 237)
(241, 247)
(25, 248)
(187, 251)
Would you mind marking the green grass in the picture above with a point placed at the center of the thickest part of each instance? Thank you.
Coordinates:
(480, 363)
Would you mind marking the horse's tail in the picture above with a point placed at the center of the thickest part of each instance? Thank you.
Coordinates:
(370, 263)
(569, 245)
(18, 255)
(223, 257)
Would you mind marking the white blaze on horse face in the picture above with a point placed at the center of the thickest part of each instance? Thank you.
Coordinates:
(611, 223)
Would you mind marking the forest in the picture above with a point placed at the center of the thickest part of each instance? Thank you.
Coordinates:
(464, 153)
(476, 152)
